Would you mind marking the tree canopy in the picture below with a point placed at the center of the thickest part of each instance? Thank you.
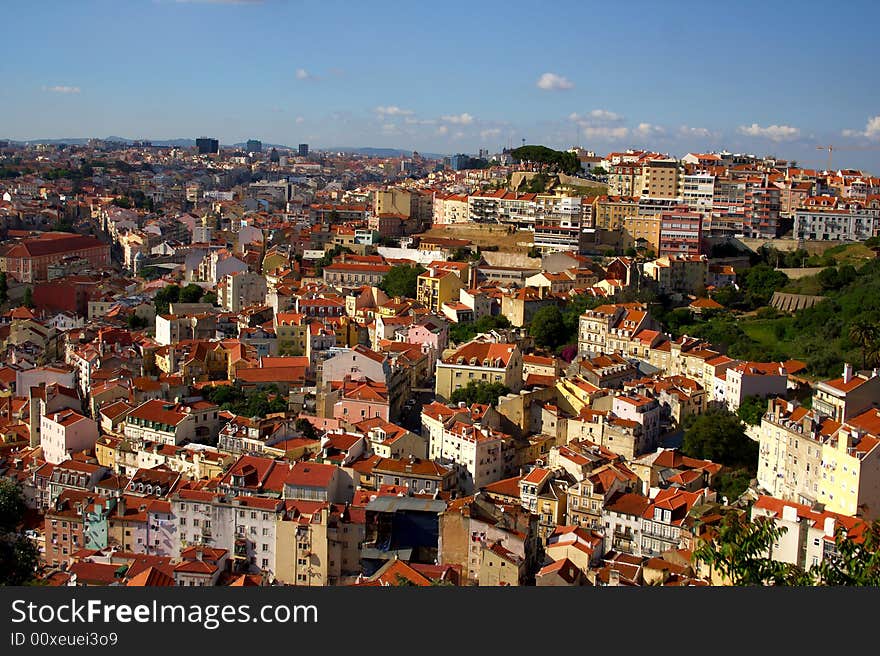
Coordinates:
(481, 391)
(752, 409)
(463, 332)
(402, 280)
(548, 327)
(18, 554)
(718, 435)
(246, 404)
(739, 550)
(556, 160)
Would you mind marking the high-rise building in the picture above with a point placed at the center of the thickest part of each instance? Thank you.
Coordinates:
(304, 150)
(207, 146)
(254, 146)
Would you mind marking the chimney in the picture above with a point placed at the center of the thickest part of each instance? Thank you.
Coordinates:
(829, 526)
(847, 373)
(613, 578)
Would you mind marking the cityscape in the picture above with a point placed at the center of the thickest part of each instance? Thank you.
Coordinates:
(569, 349)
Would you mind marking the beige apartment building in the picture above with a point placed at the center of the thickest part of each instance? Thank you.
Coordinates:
(661, 178)
(479, 362)
(317, 544)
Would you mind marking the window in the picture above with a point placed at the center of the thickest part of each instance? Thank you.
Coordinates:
(265, 547)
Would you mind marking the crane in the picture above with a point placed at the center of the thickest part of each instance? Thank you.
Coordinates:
(832, 148)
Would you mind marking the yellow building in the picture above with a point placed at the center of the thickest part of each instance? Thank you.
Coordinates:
(576, 393)
(316, 544)
(610, 211)
(850, 482)
(500, 567)
(479, 362)
(436, 287)
(641, 231)
(661, 178)
(392, 201)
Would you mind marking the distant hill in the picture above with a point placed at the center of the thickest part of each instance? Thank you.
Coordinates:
(190, 143)
(381, 152)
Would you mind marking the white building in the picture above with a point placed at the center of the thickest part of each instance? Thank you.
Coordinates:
(243, 525)
(698, 190)
(480, 455)
(834, 224)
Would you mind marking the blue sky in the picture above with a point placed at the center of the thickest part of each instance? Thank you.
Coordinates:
(766, 78)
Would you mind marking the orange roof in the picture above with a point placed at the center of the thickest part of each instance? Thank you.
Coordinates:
(486, 354)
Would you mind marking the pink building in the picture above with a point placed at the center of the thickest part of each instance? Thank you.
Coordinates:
(642, 410)
(358, 400)
(65, 432)
(433, 336)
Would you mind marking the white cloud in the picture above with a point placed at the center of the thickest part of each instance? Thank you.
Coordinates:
(303, 74)
(553, 82)
(393, 110)
(459, 119)
(442, 130)
(649, 130)
(409, 120)
(703, 133)
(771, 132)
(62, 89)
(871, 131)
(489, 133)
(606, 132)
(596, 117)
(458, 135)
(300, 120)
(605, 115)
(389, 128)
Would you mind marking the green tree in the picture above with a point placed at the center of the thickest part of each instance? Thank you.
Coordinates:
(738, 552)
(209, 297)
(548, 328)
(854, 562)
(829, 279)
(752, 409)
(759, 282)
(555, 160)
(864, 332)
(402, 280)
(481, 391)
(135, 322)
(191, 293)
(28, 300)
(463, 332)
(164, 297)
(718, 435)
(307, 428)
(18, 554)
